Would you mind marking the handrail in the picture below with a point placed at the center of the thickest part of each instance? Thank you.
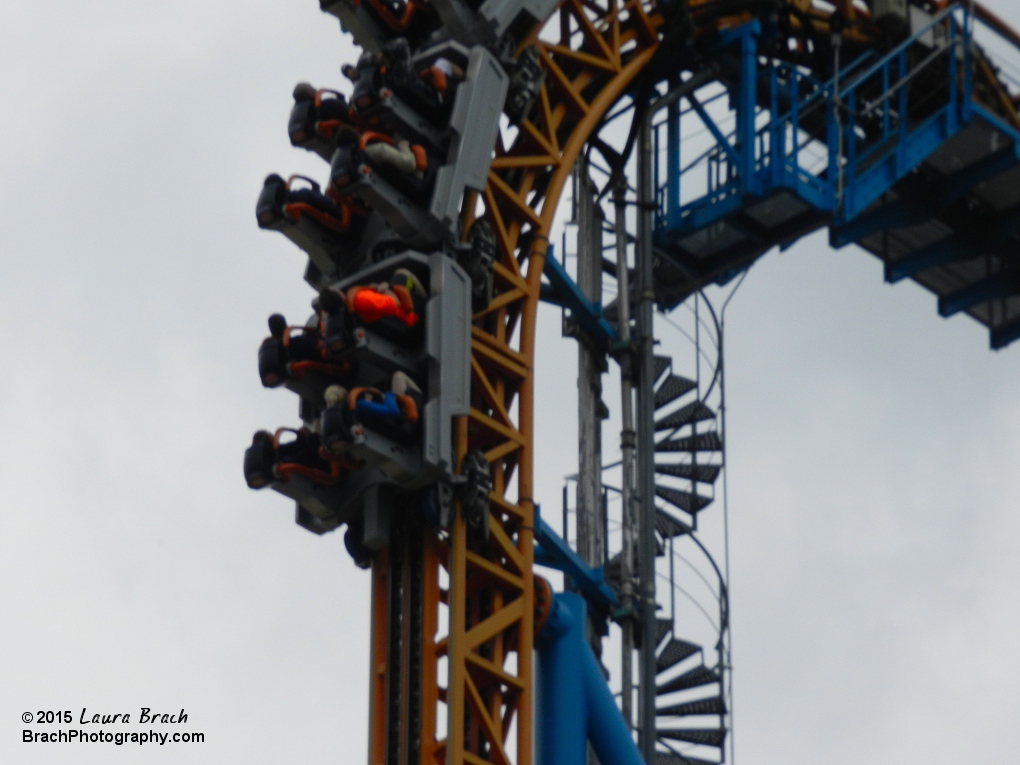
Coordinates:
(821, 88)
(870, 106)
(811, 101)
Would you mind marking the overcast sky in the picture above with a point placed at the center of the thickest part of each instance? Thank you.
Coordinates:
(873, 447)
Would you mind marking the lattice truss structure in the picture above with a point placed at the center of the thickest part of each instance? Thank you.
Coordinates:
(591, 52)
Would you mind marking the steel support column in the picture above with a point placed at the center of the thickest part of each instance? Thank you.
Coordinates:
(628, 554)
(645, 479)
(575, 703)
(590, 365)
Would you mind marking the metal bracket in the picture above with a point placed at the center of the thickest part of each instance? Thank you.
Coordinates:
(552, 551)
(564, 291)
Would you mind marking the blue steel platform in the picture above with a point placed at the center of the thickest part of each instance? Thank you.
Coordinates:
(919, 166)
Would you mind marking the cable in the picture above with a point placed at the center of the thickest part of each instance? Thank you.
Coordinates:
(691, 598)
(700, 575)
(728, 661)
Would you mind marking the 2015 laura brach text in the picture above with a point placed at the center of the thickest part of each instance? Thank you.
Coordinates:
(145, 717)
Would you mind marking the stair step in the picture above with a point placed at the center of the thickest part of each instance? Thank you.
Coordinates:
(703, 442)
(704, 736)
(676, 651)
(692, 678)
(668, 758)
(702, 473)
(672, 388)
(711, 706)
(696, 411)
(685, 500)
(662, 363)
(662, 628)
(668, 526)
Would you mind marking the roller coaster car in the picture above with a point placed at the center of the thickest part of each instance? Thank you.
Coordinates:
(378, 435)
(294, 356)
(391, 177)
(398, 462)
(409, 168)
(422, 201)
(279, 202)
(271, 460)
(427, 86)
(327, 490)
(347, 339)
(401, 298)
(435, 348)
(391, 308)
(316, 118)
(374, 22)
(326, 226)
(431, 77)
(394, 413)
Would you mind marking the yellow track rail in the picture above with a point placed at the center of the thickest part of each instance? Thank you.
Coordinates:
(598, 49)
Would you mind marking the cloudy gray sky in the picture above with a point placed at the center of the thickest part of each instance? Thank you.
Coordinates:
(873, 446)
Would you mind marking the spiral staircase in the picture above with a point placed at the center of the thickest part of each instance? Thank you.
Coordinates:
(692, 710)
(692, 717)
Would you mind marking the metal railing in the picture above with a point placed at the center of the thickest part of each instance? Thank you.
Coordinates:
(837, 144)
